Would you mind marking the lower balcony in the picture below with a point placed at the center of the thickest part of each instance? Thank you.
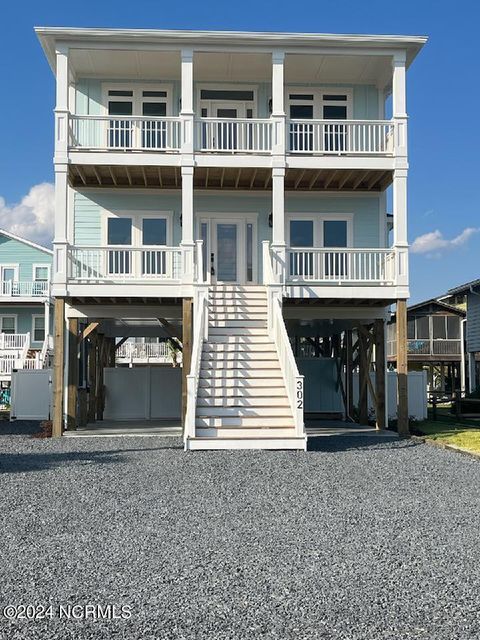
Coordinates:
(428, 349)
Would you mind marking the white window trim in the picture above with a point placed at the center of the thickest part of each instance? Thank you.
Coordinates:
(137, 218)
(318, 101)
(34, 317)
(246, 104)
(41, 265)
(318, 220)
(9, 266)
(137, 98)
(9, 315)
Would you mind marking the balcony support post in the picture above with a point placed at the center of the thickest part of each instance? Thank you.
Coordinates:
(278, 223)
(72, 374)
(187, 242)
(46, 331)
(278, 104)
(380, 368)
(402, 369)
(187, 112)
(399, 105)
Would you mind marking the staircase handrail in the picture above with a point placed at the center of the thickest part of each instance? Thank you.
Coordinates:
(24, 352)
(292, 378)
(200, 334)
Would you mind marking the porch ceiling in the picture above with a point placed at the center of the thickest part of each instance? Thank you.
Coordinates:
(247, 178)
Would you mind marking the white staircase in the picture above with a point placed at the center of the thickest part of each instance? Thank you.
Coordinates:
(242, 400)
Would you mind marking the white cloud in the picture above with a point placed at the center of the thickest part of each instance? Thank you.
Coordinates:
(33, 216)
(433, 243)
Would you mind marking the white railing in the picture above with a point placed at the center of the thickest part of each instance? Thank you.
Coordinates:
(120, 263)
(244, 135)
(147, 352)
(125, 133)
(200, 335)
(340, 265)
(293, 380)
(7, 364)
(27, 289)
(370, 137)
(15, 341)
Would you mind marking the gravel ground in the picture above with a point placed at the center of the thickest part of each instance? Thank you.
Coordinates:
(360, 539)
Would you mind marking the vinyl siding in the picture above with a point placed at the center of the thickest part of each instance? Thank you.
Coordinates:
(88, 95)
(25, 256)
(24, 315)
(473, 322)
(91, 205)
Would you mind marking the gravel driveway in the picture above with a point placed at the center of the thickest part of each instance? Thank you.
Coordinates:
(361, 539)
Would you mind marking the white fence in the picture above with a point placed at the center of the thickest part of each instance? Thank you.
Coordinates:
(364, 137)
(417, 393)
(119, 263)
(143, 393)
(147, 352)
(244, 135)
(340, 265)
(31, 397)
(124, 133)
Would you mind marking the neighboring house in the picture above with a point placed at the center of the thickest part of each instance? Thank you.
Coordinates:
(25, 318)
(435, 342)
(471, 291)
(229, 189)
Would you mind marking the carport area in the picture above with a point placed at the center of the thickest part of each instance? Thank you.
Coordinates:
(103, 396)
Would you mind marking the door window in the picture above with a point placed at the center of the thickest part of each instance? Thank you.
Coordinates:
(334, 107)
(154, 132)
(335, 235)
(301, 235)
(301, 133)
(154, 232)
(120, 132)
(226, 252)
(9, 277)
(119, 232)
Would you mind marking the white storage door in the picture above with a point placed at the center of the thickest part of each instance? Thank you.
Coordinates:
(31, 394)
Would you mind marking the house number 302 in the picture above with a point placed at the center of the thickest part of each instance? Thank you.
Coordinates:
(299, 394)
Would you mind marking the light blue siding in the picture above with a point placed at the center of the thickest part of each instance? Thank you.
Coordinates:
(24, 315)
(473, 322)
(91, 204)
(25, 256)
(89, 96)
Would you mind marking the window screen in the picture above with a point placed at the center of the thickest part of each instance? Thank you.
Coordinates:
(423, 331)
(439, 328)
(453, 328)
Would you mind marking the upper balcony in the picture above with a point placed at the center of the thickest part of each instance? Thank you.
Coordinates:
(24, 290)
(133, 108)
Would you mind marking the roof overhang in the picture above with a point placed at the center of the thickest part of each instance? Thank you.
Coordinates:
(347, 44)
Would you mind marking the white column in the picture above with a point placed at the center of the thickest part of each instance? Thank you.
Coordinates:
(187, 223)
(61, 171)
(47, 319)
(278, 103)
(278, 217)
(400, 226)
(187, 112)
(463, 372)
(399, 103)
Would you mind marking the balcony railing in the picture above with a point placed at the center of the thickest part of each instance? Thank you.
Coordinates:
(15, 341)
(337, 266)
(428, 347)
(125, 133)
(245, 135)
(231, 135)
(350, 137)
(30, 289)
(120, 263)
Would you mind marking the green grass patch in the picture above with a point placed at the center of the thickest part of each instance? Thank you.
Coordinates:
(451, 432)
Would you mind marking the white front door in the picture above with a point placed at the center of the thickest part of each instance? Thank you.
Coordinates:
(229, 252)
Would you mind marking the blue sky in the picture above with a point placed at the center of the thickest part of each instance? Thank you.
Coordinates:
(444, 198)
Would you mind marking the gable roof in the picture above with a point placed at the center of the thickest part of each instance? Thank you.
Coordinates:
(12, 236)
(465, 288)
(434, 302)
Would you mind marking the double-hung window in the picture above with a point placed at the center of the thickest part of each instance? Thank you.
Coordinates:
(8, 324)
(38, 328)
(41, 276)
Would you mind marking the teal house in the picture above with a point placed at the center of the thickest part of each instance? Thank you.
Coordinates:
(25, 318)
